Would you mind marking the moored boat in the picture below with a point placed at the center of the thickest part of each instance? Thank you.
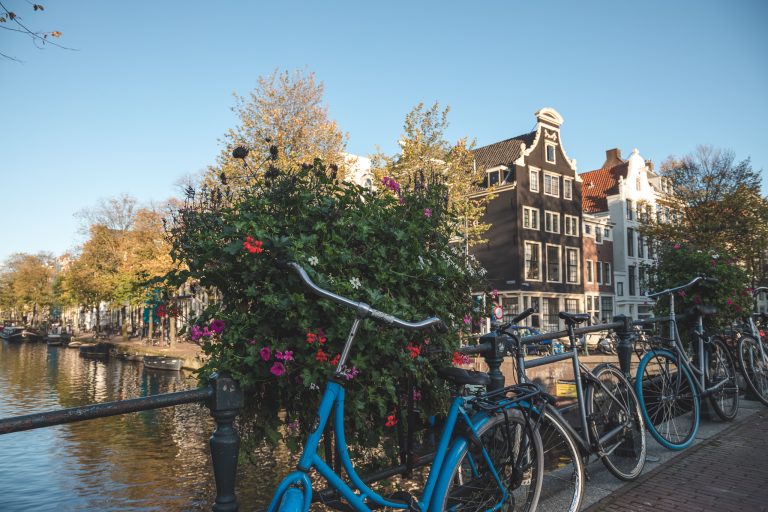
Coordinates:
(54, 336)
(30, 334)
(12, 333)
(163, 363)
(94, 350)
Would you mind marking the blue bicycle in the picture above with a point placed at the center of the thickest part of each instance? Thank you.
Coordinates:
(488, 456)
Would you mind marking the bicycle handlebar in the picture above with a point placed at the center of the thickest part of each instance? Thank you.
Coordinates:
(695, 280)
(364, 310)
(759, 289)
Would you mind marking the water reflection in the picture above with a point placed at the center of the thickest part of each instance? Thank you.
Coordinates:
(153, 460)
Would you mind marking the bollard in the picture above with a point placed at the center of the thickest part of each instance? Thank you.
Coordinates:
(493, 359)
(625, 346)
(225, 443)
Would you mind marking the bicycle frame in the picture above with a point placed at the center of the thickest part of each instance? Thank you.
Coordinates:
(583, 438)
(753, 327)
(333, 403)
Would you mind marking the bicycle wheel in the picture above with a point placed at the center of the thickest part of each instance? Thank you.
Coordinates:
(754, 366)
(725, 401)
(562, 485)
(515, 450)
(668, 399)
(609, 408)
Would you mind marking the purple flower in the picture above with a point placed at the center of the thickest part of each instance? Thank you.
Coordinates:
(427, 212)
(467, 319)
(284, 356)
(265, 353)
(350, 373)
(278, 369)
(217, 326)
(416, 395)
(195, 333)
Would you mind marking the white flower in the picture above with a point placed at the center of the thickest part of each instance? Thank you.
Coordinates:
(313, 386)
(355, 282)
(313, 260)
(715, 256)
(421, 261)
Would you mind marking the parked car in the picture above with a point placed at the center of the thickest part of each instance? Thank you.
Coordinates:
(541, 347)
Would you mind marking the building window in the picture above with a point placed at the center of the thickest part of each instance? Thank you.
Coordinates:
(572, 305)
(530, 218)
(533, 176)
(630, 215)
(587, 229)
(534, 303)
(620, 289)
(571, 265)
(551, 153)
(551, 222)
(637, 182)
(640, 247)
(532, 261)
(607, 272)
(632, 276)
(492, 178)
(606, 233)
(598, 235)
(630, 242)
(552, 184)
(642, 280)
(571, 225)
(589, 271)
(511, 307)
(551, 309)
(553, 263)
(599, 272)
(567, 188)
(606, 307)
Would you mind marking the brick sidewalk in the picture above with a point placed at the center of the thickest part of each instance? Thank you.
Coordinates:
(728, 472)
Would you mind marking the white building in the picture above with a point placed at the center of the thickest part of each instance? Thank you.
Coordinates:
(625, 192)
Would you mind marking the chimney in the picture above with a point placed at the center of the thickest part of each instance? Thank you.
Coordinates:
(612, 157)
(649, 165)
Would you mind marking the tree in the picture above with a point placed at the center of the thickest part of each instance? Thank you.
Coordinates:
(719, 204)
(425, 153)
(285, 112)
(27, 283)
(12, 21)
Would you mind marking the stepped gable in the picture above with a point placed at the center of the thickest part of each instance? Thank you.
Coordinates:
(597, 185)
(504, 152)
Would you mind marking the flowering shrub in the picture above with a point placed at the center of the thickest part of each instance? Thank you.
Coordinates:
(679, 263)
(389, 248)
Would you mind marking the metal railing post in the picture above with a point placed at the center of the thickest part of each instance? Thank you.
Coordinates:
(625, 346)
(225, 442)
(493, 359)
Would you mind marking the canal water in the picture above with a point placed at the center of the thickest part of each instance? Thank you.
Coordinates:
(152, 460)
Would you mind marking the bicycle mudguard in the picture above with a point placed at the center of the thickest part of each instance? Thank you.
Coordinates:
(289, 497)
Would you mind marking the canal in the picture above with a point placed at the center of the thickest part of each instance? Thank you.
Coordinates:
(153, 460)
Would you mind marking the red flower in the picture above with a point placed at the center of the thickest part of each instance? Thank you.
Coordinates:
(321, 356)
(391, 420)
(413, 350)
(252, 245)
(335, 360)
(311, 337)
(460, 359)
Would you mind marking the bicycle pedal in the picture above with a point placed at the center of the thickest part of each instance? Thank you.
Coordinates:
(527, 477)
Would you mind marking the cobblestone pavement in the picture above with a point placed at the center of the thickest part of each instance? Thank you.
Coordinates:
(727, 472)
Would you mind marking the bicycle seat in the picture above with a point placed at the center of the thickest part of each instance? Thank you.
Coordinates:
(702, 310)
(573, 318)
(462, 376)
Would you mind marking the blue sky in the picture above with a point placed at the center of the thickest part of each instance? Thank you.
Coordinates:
(148, 95)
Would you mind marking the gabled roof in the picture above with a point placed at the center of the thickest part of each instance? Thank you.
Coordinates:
(597, 185)
(504, 152)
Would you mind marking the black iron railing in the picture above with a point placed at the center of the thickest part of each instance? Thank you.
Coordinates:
(222, 396)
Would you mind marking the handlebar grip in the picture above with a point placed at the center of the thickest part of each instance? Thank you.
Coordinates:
(525, 314)
(480, 348)
(710, 280)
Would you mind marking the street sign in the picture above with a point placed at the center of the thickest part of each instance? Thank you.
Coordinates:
(498, 313)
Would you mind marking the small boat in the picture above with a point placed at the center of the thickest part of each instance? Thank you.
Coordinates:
(55, 336)
(30, 334)
(12, 333)
(94, 350)
(75, 344)
(163, 363)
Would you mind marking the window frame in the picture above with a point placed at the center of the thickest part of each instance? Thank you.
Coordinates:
(568, 186)
(532, 181)
(607, 273)
(576, 261)
(552, 215)
(526, 244)
(547, 146)
(590, 275)
(533, 212)
(553, 178)
(574, 222)
(559, 263)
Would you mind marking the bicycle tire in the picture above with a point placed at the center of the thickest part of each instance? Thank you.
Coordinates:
(668, 399)
(625, 456)
(720, 366)
(472, 487)
(562, 484)
(754, 368)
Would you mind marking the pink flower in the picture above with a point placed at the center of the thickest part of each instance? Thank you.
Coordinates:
(217, 326)
(402, 200)
(467, 319)
(729, 302)
(676, 246)
(495, 293)
(265, 353)
(284, 356)
(427, 212)
(195, 333)
(278, 369)
(681, 293)
(350, 373)
(714, 263)
(251, 342)
(416, 395)
(461, 359)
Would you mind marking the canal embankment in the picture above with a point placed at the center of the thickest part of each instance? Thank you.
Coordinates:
(134, 349)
